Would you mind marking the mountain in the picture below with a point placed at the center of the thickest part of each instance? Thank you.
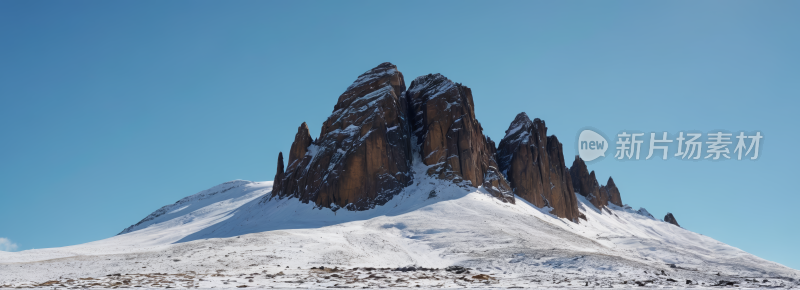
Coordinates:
(534, 164)
(362, 156)
(403, 189)
(222, 235)
(449, 136)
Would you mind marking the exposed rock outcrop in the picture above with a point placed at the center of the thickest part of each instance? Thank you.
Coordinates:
(534, 165)
(362, 157)
(671, 219)
(300, 146)
(450, 138)
(611, 190)
(279, 174)
(586, 184)
(302, 140)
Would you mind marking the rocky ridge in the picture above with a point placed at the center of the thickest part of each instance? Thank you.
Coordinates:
(585, 183)
(363, 155)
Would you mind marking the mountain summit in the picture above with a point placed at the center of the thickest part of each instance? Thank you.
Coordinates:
(534, 163)
(363, 156)
(449, 136)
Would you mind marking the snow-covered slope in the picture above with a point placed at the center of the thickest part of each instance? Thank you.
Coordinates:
(432, 223)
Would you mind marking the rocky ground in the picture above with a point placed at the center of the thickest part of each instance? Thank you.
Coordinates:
(278, 276)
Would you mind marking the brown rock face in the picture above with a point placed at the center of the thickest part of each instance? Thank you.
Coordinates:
(534, 165)
(302, 140)
(450, 138)
(362, 157)
(300, 146)
(279, 174)
(671, 219)
(611, 190)
(585, 183)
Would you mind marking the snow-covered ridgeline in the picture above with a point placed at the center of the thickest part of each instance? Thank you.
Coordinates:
(194, 200)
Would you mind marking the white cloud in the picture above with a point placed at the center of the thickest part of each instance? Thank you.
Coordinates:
(7, 245)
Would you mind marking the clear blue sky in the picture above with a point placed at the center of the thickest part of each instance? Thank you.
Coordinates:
(112, 109)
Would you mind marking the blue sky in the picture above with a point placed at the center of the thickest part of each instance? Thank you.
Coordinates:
(110, 110)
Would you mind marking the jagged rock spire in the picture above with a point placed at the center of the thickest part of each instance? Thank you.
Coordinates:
(612, 191)
(302, 140)
(279, 174)
(300, 146)
(585, 183)
(449, 136)
(534, 165)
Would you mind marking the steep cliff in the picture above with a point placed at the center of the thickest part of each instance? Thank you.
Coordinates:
(362, 157)
(450, 138)
(534, 165)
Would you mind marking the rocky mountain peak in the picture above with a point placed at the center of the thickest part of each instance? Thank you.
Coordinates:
(534, 165)
(612, 192)
(279, 173)
(300, 145)
(671, 219)
(449, 137)
(362, 157)
(585, 183)
(369, 82)
(520, 124)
